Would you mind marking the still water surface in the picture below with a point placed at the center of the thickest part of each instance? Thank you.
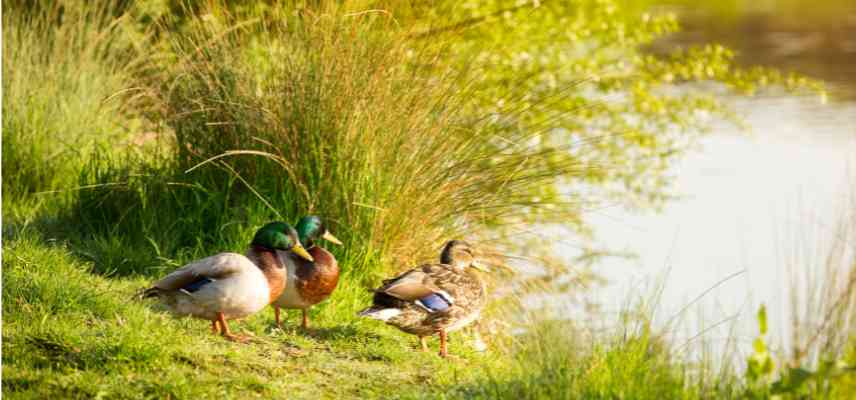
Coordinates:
(763, 206)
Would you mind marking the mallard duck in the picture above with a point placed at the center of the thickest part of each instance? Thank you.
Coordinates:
(309, 283)
(433, 298)
(229, 285)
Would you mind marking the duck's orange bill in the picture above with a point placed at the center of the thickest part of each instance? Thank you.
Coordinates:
(330, 238)
(300, 251)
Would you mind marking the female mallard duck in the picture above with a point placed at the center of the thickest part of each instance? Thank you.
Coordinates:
(309, 282)
(229, 285)
(433, 298)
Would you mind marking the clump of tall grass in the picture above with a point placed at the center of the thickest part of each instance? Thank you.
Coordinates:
(342, 115)
(64, 68)
(823, 290)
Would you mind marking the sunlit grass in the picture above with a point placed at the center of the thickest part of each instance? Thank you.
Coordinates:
(69, 332)
(64, 71)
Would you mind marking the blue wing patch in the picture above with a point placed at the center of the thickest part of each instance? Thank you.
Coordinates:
(434, 303)
(197, 284)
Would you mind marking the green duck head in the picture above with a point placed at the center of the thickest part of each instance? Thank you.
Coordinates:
(310, 228)
(460, 254)
(280, 236)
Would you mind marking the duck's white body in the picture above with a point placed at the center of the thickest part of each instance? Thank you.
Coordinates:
(290, 297)
(238, 288)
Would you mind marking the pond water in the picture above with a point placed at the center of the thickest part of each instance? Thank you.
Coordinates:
(764, 207)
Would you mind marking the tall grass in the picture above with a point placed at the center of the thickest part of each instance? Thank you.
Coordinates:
(333, 113)
(823, 290)
(821, 267)
(64, 70)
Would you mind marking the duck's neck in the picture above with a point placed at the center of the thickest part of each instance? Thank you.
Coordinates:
(272, 268)
(478, 278)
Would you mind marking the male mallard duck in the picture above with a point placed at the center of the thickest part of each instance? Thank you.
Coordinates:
(229, 285)
(309, 283)
(433, 298)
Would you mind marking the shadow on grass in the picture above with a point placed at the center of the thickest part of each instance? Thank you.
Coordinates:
(334, 332)
(132, 219)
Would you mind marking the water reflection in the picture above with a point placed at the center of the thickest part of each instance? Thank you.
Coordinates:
(765, 202)
(816, 38)
(751, 202)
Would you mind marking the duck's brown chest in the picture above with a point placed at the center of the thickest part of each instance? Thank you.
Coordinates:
(273, 270)
(316, 281)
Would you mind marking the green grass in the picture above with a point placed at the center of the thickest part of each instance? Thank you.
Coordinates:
(68, 331)
(72, 332)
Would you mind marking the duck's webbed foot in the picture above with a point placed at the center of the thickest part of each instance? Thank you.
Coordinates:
(226, 333)
(236, 338)
(444, 352)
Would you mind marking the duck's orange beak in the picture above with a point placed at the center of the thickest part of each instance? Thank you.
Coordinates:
(300, 251)
(330, 238)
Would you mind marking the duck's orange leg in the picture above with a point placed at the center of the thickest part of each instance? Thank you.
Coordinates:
(276, 316)
(225, 332)
(305, 320)
(424, 342)
(214, 329)
(443, 352)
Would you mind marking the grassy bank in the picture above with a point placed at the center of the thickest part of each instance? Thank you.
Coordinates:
(69, 331)
(158, 135)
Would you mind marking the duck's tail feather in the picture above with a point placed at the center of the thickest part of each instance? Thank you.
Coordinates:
(384, 300)
(383, 307)
(382, 314)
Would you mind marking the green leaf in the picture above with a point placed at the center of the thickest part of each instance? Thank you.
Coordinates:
(759, 346)
(762, 319)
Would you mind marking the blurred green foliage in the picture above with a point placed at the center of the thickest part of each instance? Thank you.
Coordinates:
(574, 76)
(764, 380)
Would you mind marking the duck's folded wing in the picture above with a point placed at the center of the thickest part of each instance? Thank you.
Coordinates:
(211, 268)
(420, 286)
(409, 286)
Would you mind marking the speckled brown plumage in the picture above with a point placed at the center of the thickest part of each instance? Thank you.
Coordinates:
(433, 298)
(465, 287)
